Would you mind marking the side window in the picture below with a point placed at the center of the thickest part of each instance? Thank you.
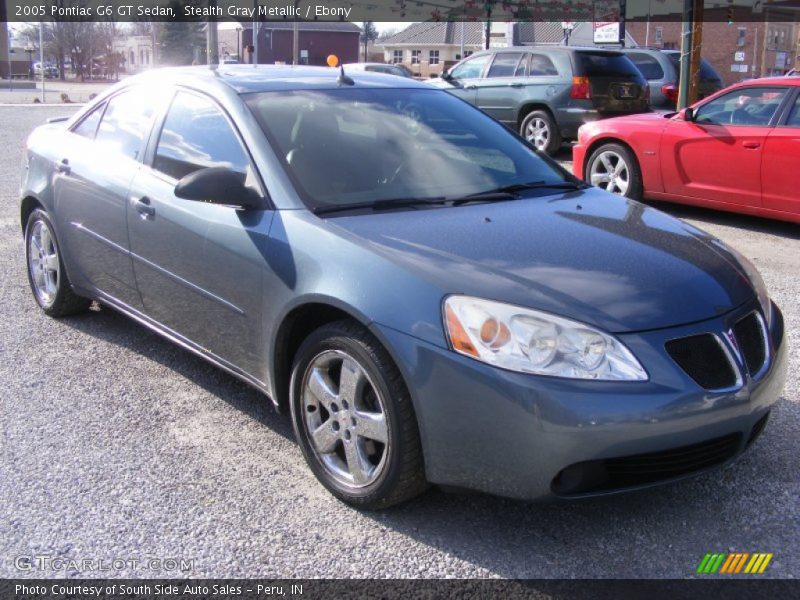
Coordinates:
(542, 65)
(126, 123)
(794, 115)
(88, 127)
(504, 64)
(472, 68)
(196, 135)
(648, 65)
(753, 106)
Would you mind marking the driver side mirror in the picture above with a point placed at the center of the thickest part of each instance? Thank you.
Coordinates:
(688, 114)
(218, 185)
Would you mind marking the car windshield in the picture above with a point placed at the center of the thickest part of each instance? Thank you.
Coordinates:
(357, 146)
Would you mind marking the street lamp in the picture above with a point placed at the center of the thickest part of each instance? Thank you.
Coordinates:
(239, 44)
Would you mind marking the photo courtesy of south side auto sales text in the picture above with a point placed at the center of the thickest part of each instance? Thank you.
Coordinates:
(185, 590)
(133, 10)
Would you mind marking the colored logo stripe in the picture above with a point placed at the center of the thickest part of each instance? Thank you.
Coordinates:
(734, 563)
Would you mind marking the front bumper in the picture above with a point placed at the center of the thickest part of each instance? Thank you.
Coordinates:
(512, 434)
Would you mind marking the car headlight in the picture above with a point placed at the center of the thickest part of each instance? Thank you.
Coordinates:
(757, 282)
(530, 341)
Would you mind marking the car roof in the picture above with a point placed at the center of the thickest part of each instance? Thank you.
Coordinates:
(563, 49)
(262, 78)
(780, 80)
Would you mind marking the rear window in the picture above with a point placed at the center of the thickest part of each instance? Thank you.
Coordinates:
(706, 70)
(647, 65)
(602, 64)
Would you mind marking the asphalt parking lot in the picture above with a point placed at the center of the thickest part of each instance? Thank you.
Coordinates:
(116, 444)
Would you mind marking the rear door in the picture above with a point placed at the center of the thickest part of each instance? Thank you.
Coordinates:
(615, 82)
(198, 265)
(503, 88)
(780, 170)
(718, 156)
(91, 190)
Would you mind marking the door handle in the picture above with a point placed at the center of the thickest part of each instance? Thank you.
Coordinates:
(63, 167)
(143, 207)
(515, 85)
(470, 87)
(751, 145)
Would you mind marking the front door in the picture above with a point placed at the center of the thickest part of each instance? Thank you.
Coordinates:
(717, 157)
(199, 266)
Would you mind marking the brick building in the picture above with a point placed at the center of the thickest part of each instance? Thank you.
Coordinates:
(738, 51)
(317, 40)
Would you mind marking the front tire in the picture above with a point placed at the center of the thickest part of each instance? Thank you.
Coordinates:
(353, 417)
(614, 168)
(46, 273)
(539, 128)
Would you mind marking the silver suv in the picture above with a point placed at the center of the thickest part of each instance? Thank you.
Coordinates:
(662, 70)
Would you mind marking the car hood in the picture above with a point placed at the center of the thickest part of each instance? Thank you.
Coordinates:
(585, 255)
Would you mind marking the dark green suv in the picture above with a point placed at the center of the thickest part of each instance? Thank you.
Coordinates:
(546, 93)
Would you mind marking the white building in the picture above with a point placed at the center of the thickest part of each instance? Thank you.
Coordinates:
(137, 52)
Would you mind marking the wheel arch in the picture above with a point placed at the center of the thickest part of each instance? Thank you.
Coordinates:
(595, 144)
(26, 207)
(528, 107)
(296, 325)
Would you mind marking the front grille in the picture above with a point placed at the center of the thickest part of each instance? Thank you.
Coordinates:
(704, 360)
(750, 337)
(642, 469)
(758, 428)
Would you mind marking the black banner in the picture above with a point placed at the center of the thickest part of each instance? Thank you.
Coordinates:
(312, 589)
(390, 10)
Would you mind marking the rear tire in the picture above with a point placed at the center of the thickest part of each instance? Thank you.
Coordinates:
(46, 273)
(353, 418)
(540, 129)
(614, 168)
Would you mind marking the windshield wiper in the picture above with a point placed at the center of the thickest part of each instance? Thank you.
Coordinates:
(379, 205)
(511, 192)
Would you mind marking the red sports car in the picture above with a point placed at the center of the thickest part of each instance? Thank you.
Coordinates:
(738, 150)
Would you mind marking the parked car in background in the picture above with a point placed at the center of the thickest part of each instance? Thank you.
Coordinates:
(398, 70)
(738, 150)
(50, 71)
(546, 93)
(430, 300)
(662, 69)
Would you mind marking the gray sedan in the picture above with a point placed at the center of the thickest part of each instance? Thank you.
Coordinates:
(429, 298)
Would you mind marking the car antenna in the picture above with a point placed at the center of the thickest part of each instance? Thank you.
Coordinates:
(344, 79)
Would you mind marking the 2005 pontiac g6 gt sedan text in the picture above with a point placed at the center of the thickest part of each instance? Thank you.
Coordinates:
(432, 300)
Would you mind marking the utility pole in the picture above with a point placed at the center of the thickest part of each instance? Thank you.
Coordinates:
(212, 47)
(686, 49)
(41, 54)
(255, 33)
(295, 37)
(697, 44)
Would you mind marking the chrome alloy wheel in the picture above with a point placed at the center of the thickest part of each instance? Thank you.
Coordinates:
(537, 131)
(610, 172)
(345, 419)
(43, 263)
